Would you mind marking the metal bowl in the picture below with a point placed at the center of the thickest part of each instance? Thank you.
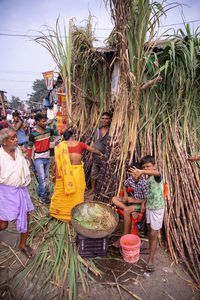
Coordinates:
(94, 233)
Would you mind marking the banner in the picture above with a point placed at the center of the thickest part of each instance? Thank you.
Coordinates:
(59, 96)
(48, 78)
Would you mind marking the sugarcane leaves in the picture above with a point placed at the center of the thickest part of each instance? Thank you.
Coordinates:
(90, 74)
(61, 53)
(137, 29)
(73, 274)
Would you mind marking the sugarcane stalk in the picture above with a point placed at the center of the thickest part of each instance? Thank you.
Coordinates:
(183, 257)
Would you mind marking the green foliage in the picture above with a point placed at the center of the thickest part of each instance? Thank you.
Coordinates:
(16, 103)
(40, 91)
(60, 49)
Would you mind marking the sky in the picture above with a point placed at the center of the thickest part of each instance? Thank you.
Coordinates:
(22, 60)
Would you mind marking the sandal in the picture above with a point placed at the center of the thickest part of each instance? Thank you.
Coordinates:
(27, 251)
(150, 267)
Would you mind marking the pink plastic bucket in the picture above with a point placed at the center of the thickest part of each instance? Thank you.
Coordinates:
(130, 245)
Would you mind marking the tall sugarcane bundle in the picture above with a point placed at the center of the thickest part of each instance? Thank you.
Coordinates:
(85, 73)
(182, 220)
(169, 130)
(134, 26)
(162, 120)
(91, 73)
(149, 117)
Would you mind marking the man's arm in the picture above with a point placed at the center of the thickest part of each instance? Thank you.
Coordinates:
(196, 158)
(14, 127)
(136, 201)
(125, 197)
(54, 132)
(49, 122)
(53, 175)
(24, 125)
(93, 150)
(91, 155)
(30, 147)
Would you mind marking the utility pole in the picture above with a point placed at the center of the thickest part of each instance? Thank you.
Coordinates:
(2, 103)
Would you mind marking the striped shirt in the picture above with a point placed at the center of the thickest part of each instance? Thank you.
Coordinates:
(41, 143)
(139, 189)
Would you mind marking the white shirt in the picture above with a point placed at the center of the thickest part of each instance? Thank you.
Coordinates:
(31, 122)
(14, 172)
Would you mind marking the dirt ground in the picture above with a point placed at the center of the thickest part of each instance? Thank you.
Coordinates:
(120, 280)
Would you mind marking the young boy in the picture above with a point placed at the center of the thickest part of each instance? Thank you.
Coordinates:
(155, 204)
(126, 203)
(40, 138)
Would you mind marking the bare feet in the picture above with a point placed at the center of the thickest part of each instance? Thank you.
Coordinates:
(28, 251)
(145, 251)
(90, 192)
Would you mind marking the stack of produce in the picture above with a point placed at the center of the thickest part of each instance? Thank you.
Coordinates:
(94, 217)
(156, 110)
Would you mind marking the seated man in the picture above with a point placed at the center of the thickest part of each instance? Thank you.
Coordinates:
(127, 203)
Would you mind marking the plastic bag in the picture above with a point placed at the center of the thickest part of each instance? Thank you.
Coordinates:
(141, 226)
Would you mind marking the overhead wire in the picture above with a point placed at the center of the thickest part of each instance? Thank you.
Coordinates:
(20, 72)
(37, 36)
(34, 36)
(2, 79)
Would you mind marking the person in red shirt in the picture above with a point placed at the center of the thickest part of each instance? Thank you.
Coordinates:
(3, 122)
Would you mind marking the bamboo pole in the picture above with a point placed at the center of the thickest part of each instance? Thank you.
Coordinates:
(1, 99)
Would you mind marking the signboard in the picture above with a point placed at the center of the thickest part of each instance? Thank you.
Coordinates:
(48, 78)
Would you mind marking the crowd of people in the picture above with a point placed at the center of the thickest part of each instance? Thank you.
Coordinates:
(22, 125)
(18, 139)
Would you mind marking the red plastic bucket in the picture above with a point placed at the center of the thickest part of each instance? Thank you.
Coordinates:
(130, 245)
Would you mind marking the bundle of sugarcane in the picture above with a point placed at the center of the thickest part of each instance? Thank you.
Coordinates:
(182, 213)
(56, 269)
(169, 122)
(84, 71)
(163, 116)
(149, 117)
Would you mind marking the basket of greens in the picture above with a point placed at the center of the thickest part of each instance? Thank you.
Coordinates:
(94, 219)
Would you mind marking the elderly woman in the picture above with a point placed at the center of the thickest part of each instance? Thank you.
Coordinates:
(15, 202)
(70, 178)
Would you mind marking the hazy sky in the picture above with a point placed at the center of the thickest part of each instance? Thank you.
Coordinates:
(22, 60)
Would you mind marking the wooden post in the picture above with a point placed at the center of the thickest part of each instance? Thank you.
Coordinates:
(1, 98)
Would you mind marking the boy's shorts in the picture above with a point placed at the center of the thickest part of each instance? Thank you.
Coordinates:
(155, 218)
